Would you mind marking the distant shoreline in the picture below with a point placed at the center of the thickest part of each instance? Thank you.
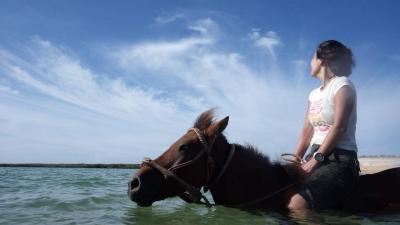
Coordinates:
(366, 162)
(72, 165)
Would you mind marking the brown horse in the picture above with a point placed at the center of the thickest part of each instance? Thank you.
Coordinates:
(239, 176)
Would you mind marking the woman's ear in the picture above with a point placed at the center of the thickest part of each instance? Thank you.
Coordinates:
(321, 62)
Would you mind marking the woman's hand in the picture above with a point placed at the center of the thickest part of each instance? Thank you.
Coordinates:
(310, 166)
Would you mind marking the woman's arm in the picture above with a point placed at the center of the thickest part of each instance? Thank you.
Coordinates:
(305, 136)
(344, 103)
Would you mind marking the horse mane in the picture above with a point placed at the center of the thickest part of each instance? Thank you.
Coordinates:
(276, 168)
(207, 118)
(249, 151)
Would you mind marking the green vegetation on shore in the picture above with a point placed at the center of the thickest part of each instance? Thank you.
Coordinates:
(72, 165)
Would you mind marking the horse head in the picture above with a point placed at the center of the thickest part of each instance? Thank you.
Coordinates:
(184, 167)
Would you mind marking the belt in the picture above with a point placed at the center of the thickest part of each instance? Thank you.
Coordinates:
(334, 155)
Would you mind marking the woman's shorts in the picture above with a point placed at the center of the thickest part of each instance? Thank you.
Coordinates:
(332, 181)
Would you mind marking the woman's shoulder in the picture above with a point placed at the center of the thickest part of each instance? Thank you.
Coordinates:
(343, 80)
(315, 94)
(339, 82)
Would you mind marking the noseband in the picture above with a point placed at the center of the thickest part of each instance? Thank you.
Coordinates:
(193, 194)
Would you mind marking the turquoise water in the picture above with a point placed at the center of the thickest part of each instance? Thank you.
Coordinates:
(98, 196)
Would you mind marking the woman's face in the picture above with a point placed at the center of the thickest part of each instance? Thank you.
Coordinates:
(315, 65)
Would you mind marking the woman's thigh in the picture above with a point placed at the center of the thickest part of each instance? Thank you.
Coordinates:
(331, 183)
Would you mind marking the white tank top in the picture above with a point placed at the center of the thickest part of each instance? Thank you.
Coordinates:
(321, 112)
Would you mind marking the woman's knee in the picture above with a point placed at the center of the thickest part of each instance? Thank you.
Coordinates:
(298, 202)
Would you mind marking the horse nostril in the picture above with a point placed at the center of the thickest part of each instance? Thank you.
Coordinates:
(135, 184)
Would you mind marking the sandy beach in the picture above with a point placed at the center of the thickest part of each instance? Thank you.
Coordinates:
(376, 164)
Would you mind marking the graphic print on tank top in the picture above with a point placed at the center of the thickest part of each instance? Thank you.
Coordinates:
(317, 119)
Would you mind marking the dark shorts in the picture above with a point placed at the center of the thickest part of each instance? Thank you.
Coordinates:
(331, 183)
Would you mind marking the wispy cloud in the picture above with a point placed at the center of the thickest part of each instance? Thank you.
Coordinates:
(118, 112)
(210, 77)
(203, 78)
(8, 90)
(55, 73)
(206, 27)
(269, 42)
(54, 107)
(165, 19)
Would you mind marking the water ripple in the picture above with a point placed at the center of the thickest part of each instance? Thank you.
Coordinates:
(98, 196)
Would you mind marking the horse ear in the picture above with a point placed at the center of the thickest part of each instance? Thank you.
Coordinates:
(218, 127)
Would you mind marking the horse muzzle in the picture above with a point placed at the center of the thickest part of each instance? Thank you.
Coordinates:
(137, 193)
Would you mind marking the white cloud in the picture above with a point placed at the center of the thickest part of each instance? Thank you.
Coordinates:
(206, 27)
(8, 90)
(122, 117)
(67, 112)
(269, 42)
(56, 74)
(204, 78)
(165, 19)
(259, 104)
(267, 109)
(158, 54)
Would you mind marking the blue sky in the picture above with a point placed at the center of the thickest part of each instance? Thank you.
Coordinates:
(96, 81)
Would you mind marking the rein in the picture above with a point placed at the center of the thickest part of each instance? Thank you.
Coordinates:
(266, 197)
(193, 194)
(293, 158)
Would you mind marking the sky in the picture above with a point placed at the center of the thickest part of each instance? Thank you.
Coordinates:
(117, 81)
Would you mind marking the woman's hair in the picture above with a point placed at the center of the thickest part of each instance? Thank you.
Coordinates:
(338, 57)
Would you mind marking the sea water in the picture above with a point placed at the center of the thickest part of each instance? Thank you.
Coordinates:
(99, 196)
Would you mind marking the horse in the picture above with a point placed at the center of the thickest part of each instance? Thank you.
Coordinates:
(240, 175)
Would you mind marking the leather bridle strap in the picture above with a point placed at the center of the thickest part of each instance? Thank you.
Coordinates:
(224, 168)
(267, 197)
(203, 141)
(206, 149)
(194, 193)
(177, 166)
(227, 162)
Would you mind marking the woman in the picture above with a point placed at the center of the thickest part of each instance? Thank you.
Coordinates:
(332, 167)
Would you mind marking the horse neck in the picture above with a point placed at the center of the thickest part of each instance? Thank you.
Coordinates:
(248, 177)
(219, 153)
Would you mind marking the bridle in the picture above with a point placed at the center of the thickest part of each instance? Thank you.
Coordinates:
(193, 194)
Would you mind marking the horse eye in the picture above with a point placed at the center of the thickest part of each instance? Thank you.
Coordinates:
(184, 148)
